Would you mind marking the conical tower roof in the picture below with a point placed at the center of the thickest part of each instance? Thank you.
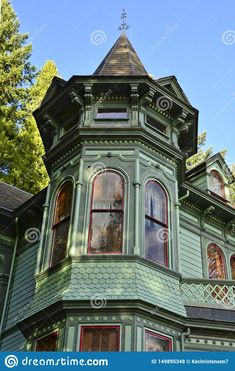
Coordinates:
(121, 60)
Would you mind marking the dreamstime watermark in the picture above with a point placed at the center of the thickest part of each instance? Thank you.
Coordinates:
(228, 37)
(165, 36)
(228, 104)
(98, 166)
(102, 98)
(11, 361)
(32, 235)
(98, 37)
(37, 31)
(22, 311)
(164, 103)
(98, 301)
(163, 235)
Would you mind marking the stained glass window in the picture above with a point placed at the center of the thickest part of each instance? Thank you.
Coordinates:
(216, 266)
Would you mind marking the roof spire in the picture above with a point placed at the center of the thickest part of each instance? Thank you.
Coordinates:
(123, 26)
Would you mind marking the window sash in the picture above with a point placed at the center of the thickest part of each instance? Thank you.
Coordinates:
(100, 339)
(154, 251)
(104, 236)
(161, 344)
(59, 248)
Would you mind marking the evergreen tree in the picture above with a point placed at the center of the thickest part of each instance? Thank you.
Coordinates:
(21, 148)
(16, 75)
(32, 175)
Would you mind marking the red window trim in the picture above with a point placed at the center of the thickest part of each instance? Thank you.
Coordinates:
(105, 210)
(220, 252)
(53, 333)
(159, 336)
(159, 222)
(99, 327)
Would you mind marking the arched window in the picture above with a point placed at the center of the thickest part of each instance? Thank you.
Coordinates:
(61, 222)
(217, 184)
(156, 223)
(216, 264)
(106, 219)
(232, 265)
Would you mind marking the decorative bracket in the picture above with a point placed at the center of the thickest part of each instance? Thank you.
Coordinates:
(209, 211)
(230, 228)
(148, 98)
(88, 104)
(134, 104)
(75, 98)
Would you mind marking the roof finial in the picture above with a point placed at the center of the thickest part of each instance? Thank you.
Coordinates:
(123, 26)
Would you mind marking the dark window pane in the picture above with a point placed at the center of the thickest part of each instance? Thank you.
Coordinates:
(155, 202)
(109, 113)
(106, 232)
(100, 339)
(155, 124)
(155, 242)
(60, 242)
(63, 204)
(47, 344)
(215, 260)
(156, 343)
(108, 191)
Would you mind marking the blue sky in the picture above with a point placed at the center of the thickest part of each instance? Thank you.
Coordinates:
(193, 40)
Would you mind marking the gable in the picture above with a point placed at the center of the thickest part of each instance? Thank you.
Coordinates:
(171, 84)
(56, 86)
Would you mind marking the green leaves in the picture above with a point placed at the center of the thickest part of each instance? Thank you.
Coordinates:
(21, 147)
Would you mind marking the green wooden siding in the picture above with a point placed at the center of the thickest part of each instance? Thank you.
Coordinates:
(22, 287)
(14, 342)
(200, 182)
(190, 253)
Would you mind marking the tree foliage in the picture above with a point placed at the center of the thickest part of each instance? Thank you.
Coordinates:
(20, 144)
(16, 75)
(32, 175)
(201, 154)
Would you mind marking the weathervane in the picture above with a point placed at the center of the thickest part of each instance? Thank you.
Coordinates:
(123, 26)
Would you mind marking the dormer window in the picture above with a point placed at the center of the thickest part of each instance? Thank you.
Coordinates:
(217, 184)
(112, 113)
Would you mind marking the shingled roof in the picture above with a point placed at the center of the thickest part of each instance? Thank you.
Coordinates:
(121, 60)
(12, 197)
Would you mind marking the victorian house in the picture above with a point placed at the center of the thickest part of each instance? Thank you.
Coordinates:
(125, 250)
